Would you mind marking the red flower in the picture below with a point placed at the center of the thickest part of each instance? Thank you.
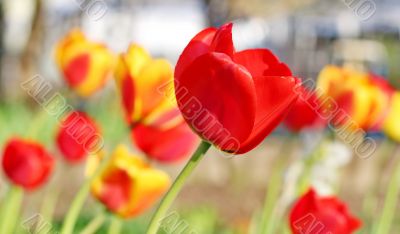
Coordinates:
(78, 136)
(27, 163)
(313, 215)
(305, 113)
(166, 139)
(232, 99)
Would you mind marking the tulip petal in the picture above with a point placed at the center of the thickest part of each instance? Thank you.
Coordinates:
(262, 62)
(222, 41)
(214, 85)
(199, 45)
(275, 95)
(77, 69)
(165, 145)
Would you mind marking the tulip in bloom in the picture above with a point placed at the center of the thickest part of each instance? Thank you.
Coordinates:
(85, 65)
(128, 186)
(139, 78)
(304, 114)
(78, 136)
(232, 99)
(362, 98)
(27, 163)
(158, 128)
(313, 214)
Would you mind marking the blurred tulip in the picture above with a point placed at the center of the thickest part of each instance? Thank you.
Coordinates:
(139, 78)
(358, 95)
(313, 214)
(167, 139)
(86, 65)
(27, 163)
(232, 99)
(128, 186)
(304, 114)
(158, 128)
(76, 136)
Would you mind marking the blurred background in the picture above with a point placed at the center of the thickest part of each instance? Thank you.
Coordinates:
(225, 193)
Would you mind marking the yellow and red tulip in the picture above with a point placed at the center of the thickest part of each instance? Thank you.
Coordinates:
(27, 163)
(128, 186)
(139, 78)
(359, 95)
(85, 65)
(158, 128)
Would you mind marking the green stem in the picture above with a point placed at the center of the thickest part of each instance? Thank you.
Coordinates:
(115, 226)
(176, 187)
(12, 208)
(79, 200)
(389, 208)
(94, 224)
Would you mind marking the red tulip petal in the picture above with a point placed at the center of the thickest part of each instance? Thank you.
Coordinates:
(275, 96)
(305, 113)
(165, 145)
(219, 95)
(76, 70)
(116, 190)
(262, 62)
(128, 96)
(199, 45)
(222, 41)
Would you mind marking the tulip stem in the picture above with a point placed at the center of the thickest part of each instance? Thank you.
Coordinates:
(79, 200)
(176, 187)
(12, 207)
(115, 225)
(94, 224)
(389, 207)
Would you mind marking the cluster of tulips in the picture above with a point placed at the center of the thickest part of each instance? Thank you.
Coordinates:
(215, 96)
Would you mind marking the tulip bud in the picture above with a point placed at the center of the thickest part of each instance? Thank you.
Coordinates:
(85, 65)
(27, 163)
(78, 136)
(128, 186)
(314, 214)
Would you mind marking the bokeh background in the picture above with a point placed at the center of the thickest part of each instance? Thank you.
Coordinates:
(225, 194)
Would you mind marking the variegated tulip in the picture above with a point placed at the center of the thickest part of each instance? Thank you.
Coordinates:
(85, 65)
(128, 186)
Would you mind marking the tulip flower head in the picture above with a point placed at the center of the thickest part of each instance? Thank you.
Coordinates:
(27, 163)
(158, 128)
(362, 98)
(139, 78)
(304, 114)
(78, 136)
(232, 99)
(313, 214)
(128, 186)
(85, 65)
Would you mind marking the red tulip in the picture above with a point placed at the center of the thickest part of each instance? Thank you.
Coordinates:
(27, 163)
(78, 136)
(167, 139)
(313, 215)
(232, 99)
(305, 113)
